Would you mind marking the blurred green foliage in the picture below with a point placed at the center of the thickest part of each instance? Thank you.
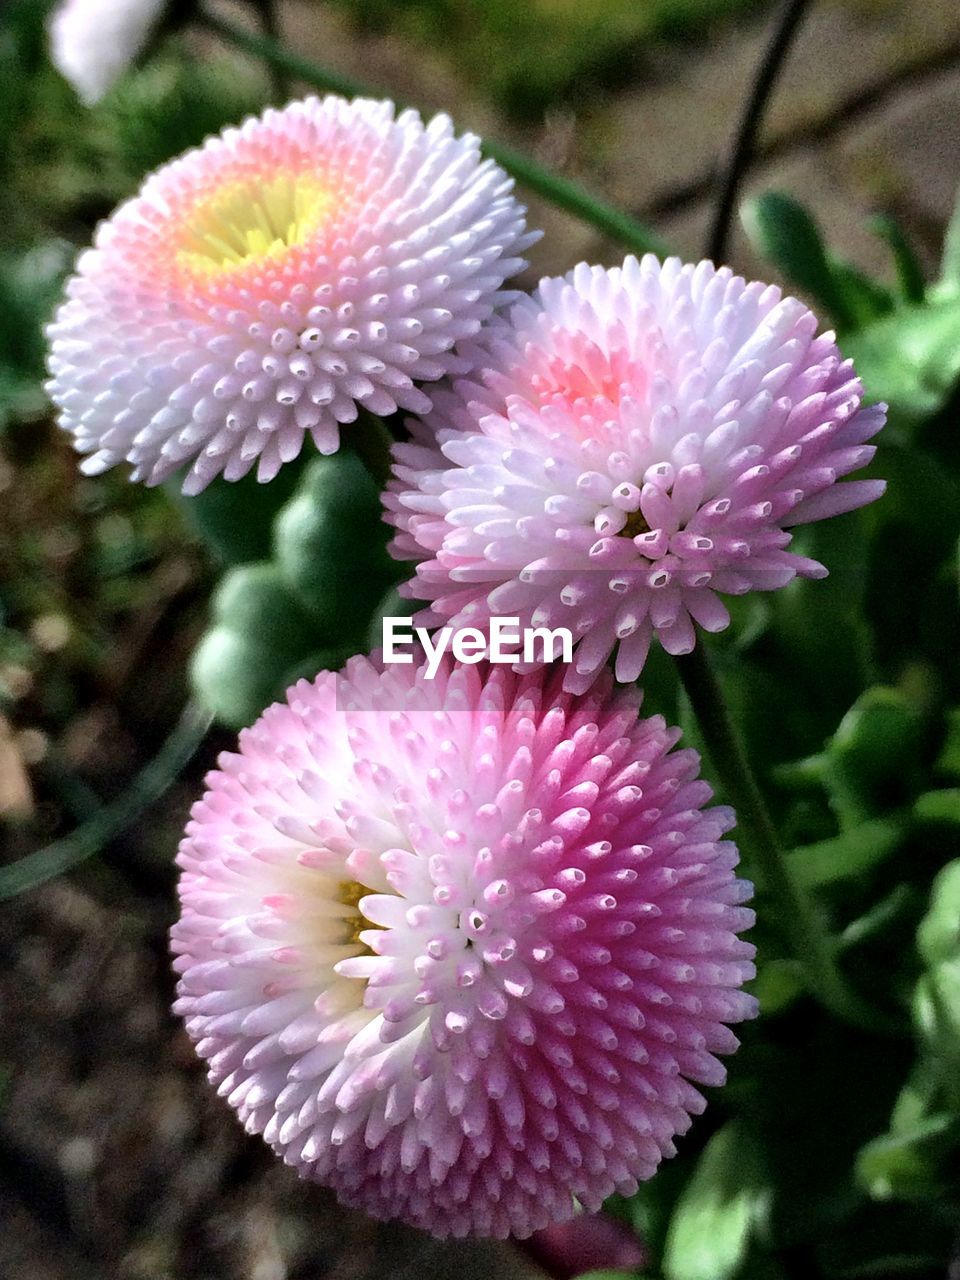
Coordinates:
(530, 56)
(64, 166)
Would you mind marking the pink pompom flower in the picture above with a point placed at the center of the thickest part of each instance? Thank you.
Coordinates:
(462, 948)
(638, 444)
(92, 42)
(314, 261)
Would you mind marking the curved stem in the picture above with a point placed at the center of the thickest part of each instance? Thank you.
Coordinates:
(559, 191)
(147, 787)
(745, 143)
(796, 916)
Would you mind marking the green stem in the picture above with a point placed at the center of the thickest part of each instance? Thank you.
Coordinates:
(559, 191)
(806, 937)
(147, 787)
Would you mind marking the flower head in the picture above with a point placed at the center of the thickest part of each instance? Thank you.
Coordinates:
(637, 444)
(313, 260)
(93, 41)
(459, 948)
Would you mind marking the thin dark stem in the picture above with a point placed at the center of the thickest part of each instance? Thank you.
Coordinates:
(559, 191)
(743, 148)
(797, 916)
(270, 25)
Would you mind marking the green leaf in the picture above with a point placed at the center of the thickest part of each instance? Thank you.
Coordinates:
(910, 358)
(235, 678)
(915, 1100)
(801, 775)
(939, 806)
(778, 984)
(710, 1229)
(852, 854)
(938, 937)
(865, 299)
(909, 271)
(787, 235)
(936, 1012)
(905, 1165)
(169, 105)
(879, 918)
(872, 757)
(950, 262)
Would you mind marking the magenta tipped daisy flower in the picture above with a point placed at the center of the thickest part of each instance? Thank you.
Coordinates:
(636, 447)
(314, 261)
(93, 41)
(462, 949)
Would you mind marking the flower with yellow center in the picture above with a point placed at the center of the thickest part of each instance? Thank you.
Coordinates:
(247, 222)
(312, 262)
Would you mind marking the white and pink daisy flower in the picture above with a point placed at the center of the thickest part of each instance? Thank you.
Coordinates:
(314, 261)
(462, 949)
(92, 42)
(636, 446)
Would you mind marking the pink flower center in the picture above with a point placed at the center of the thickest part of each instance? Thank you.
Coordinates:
(578, 369)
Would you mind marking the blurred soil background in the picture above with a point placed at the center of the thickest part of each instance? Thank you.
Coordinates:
(115, 1158)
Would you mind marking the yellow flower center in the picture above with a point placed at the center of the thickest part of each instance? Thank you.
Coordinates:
(635, 525)
(250, 220)
(351, 891)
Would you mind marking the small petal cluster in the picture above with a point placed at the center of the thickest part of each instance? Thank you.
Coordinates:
(461, 949)
(636, 446)
(314, 261)
(93, 41)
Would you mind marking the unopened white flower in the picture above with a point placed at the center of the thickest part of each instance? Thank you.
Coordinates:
(92, 42)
